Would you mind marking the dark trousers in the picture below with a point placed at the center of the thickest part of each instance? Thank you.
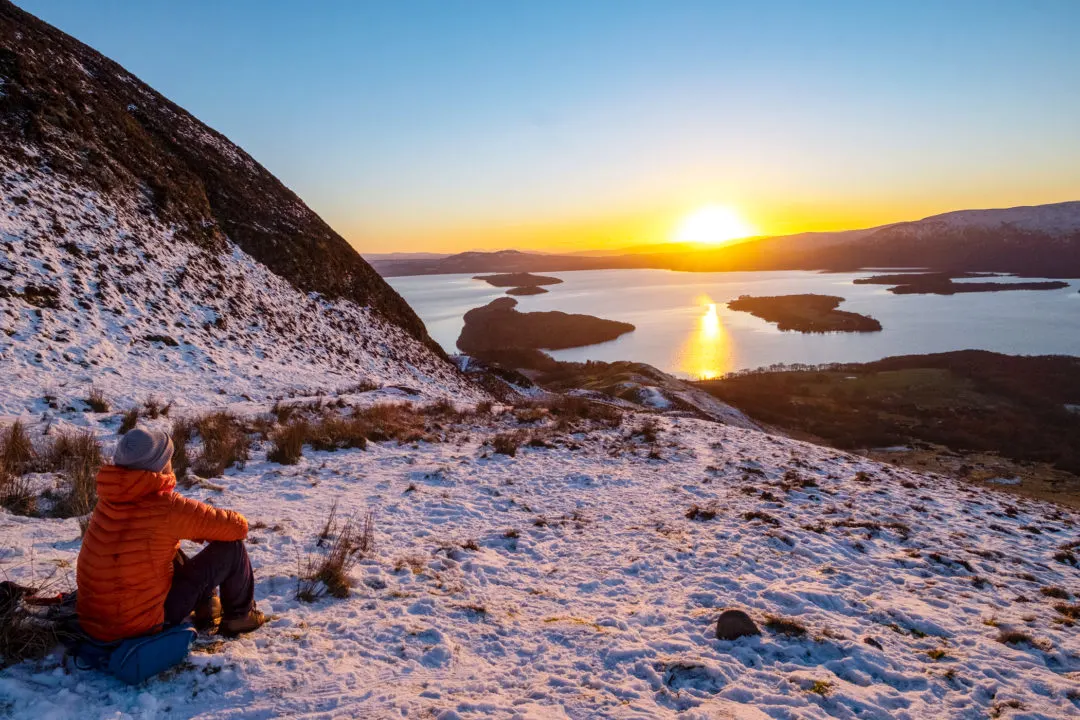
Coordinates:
(220, 564)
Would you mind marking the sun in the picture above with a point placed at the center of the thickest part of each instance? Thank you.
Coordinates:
(713, 225)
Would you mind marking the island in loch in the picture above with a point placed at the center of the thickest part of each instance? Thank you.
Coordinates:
(498, 326)
(941, 283)
(805, 313)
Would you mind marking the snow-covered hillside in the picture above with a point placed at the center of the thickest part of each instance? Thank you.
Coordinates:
(1056, 219)
(576, 581)
(96, 291)
(143, 252)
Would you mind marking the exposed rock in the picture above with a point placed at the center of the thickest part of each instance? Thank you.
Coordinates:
(734, 624)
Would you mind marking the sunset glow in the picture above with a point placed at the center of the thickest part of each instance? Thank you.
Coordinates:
(713, 225)
(707, 353)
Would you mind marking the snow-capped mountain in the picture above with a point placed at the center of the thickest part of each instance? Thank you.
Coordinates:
(145, 253)
(1056, 219)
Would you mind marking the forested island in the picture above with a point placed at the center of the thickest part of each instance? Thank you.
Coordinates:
(519, 279)
(805, 313)
(498, 326)
(940, 283)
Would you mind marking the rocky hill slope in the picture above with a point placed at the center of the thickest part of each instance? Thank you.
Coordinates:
(144, 251)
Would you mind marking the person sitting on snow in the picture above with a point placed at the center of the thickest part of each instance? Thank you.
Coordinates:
(132, 577)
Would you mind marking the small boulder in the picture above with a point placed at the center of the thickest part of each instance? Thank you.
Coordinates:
(734, 624)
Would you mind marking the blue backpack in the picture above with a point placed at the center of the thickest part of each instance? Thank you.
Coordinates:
(135, 659)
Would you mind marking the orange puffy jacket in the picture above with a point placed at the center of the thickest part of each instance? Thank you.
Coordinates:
(126, 562)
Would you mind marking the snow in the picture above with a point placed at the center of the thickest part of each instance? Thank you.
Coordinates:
(123, 278)
(601, 603)
(1055, 219)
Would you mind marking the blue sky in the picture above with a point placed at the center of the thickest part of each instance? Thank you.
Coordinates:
(449, 125)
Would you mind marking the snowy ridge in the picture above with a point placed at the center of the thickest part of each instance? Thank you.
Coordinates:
(569, 582)
(96, 290)
(1056, 219)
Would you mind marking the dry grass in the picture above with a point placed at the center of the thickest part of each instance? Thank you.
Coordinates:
(392, 421)
(648, 430)
(1015, 637)
(507, 443)
(785, 625)
(97, 401)
(225, 444)
(701, 513)
(182, 430)
(16, 449)
(334, 432)
(129, 420)
(16, 493)
(1052, 591)
(329, 574)
(23, 635)
(77, 456)
(288, 443)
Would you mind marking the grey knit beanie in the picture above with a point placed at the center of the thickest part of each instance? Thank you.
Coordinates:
(141, 449)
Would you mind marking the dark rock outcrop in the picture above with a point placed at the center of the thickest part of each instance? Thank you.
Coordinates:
(734, 624)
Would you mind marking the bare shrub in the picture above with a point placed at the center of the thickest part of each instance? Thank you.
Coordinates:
(182, 430)
(129, 420)
(330, 526)
(16, 449)
(96, 401)
(329, 574)
(571, 408)
(288, 443)
(508, 443)
(484, 407)
(77, 456)
(225, 444)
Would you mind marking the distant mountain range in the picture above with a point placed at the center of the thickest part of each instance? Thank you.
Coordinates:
(1037, 241)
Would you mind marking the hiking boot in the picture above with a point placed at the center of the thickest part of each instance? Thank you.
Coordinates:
(244, 624)
(207, 614)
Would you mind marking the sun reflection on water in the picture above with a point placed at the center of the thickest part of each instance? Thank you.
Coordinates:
(707, 353)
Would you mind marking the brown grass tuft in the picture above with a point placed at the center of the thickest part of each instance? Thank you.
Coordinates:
(288, 443)
(328, 575)
(96, 401)
(182, 430)
(225, 444)
(77, 456)
(129, 420)
(16, 449)
(785, 625)
(508, 443)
